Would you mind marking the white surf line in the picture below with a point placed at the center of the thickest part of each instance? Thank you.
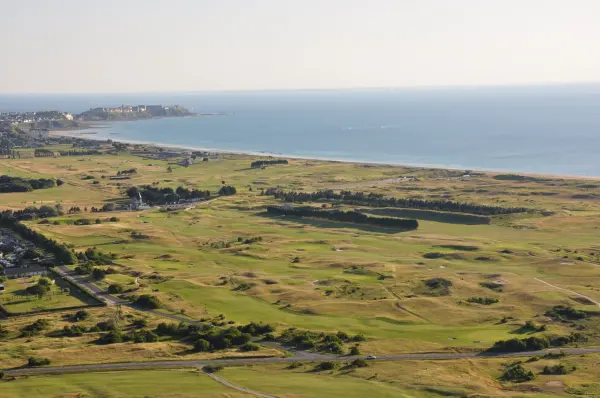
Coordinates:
(242, 389)
(569, 291)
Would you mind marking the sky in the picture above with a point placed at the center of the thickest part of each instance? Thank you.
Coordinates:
(118, 46)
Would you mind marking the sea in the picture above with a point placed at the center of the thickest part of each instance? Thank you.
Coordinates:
(551, 129)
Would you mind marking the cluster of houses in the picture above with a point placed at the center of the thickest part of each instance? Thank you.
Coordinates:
(131, 109)
(14, 261)
(8, 119)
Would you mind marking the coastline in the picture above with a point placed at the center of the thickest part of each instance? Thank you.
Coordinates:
(81, 134)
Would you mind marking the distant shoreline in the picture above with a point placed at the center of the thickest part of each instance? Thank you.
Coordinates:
(81, 134)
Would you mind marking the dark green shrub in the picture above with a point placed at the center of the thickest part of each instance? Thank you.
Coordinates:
(201, 345)
(250, 347)
(81, 315)
(359, 363)
(517, 374)
(33, 362)
(147, 301)
(115, 288)
(327, 365)
(213, 368)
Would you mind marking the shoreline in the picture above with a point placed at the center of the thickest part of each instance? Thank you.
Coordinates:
(81, 134)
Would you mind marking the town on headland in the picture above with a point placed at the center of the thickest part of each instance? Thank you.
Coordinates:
(48, 120)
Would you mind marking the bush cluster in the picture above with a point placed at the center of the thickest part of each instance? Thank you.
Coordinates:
(262, 163)
(483, 300)
(322, 342)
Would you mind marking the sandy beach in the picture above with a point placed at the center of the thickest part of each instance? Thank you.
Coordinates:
(86, 133)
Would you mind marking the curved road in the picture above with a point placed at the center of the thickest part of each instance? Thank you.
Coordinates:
(306, 357)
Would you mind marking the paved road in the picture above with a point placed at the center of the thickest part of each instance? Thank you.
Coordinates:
(305, 357)
(83, 283)
(109, 299)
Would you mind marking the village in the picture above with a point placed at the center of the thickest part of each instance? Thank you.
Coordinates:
(8, 119)
(20, 258)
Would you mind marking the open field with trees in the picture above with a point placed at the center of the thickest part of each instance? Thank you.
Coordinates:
(490, 261)
(21, 296)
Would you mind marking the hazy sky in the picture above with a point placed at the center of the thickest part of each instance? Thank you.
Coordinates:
(197, 45)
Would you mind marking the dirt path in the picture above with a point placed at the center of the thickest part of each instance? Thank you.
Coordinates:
(242, 389)
(569, 291)
(401, 307)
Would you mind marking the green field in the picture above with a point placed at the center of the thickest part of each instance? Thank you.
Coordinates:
(328, 276)
(16, 300)
(153, 383)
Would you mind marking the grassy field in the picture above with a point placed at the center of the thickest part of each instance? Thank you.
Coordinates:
(420, 379)
(15, 348)
(329, 276)
(120, 384)
(16, 300)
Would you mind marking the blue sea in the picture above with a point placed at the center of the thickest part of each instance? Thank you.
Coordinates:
(543, 129)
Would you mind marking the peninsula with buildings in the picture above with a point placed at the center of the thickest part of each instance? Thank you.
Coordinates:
(48, 120)
(129, 112)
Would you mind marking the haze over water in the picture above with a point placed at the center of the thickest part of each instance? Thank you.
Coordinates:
(546, 129)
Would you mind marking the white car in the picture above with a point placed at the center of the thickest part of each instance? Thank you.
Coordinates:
(371, 357)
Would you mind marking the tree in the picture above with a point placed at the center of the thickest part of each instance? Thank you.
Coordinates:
(518, 374)
(81, 315)
(139, 323)
(43, 281)
(111, 337)
(227, 190)
(359, 363)
(359, 337)
(147, 301)
(115, 288)
(213, 368)
(98, 274)
(327, 365)
(201, 345)
(250, 347)
(355, 350)
(39, 290)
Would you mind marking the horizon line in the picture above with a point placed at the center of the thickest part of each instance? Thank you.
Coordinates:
(274, 90)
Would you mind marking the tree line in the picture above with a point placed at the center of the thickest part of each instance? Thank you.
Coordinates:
(160, 196)
(536, 343)
(46, 153)
(11, 153)
(378, 200)
(344, 216)
(127, 172)
(18, 184)
(263, 163)
(33, 213)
